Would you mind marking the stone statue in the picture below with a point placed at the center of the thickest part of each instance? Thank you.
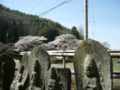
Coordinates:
(22, 80)
(42, 76)
(35, 82)
(60, 79)
(39, 64)
(7, 70)
(54, 81)
(35, 73)
(90, 80)
(93, 66)
(19, 77)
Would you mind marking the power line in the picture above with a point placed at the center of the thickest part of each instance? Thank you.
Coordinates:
(49, 5)
(30, 4)
(93, 18)
(51, 9)
(22, 4)
(91, 23)
(35, 6)
(44, 13)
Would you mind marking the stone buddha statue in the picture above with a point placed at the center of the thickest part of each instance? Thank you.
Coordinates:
(90, 70)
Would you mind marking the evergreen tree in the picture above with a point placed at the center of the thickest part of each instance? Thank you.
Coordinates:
(49, 33)
(21, 31)
(75, 32)
(13, 33)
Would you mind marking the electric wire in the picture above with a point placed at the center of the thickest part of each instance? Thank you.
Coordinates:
(35, 6)
(93, 19)
(22, 4)
(91, 23)
(51, 9)
(49, 6)
(44, 13)
(29, 4)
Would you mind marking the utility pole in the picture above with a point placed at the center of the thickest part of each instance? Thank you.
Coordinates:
(85, 19)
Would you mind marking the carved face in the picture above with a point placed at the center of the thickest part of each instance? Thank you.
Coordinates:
(89, 66)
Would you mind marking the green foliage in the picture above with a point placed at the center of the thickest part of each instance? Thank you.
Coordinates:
(13, 33)
(53, 59)
(16, 24)
(74, 32)
(115, 67)
(20, 29)
(46, 31)
(2, 35)
(2, 50)
(42, 25)
(58, 25)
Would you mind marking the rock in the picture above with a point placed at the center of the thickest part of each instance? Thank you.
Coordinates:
(93, 67)
(60, 79)
(42, 76)
(35, 72)
(7, 70)
(22, 80)
(39, 64)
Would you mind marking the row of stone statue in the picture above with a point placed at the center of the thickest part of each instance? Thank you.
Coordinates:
(92, 66)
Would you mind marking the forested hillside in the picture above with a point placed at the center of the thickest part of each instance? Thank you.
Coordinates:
(15, 23)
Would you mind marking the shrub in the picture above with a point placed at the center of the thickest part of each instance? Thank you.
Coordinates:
(53, 59)
(2, 50)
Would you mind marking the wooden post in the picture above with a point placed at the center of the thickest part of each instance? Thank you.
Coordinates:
(64, 62)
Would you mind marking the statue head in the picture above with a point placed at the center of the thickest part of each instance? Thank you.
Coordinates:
(89, 66)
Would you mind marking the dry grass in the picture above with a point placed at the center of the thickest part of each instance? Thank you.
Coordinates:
(73, 84)
(116, 85)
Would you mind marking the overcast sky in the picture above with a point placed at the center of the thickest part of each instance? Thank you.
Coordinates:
(104, 15)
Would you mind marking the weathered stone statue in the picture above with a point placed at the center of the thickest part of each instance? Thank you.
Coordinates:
(7, 70)
(60, 79)
(42, 77)
(22, 80)
(90, 70)
(35, 73)
(36, 82)
(93, 67)
(39, 64)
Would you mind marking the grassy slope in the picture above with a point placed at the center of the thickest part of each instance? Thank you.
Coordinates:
(115, 66)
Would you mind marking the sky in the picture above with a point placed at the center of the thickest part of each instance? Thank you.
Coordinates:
(103, 16)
